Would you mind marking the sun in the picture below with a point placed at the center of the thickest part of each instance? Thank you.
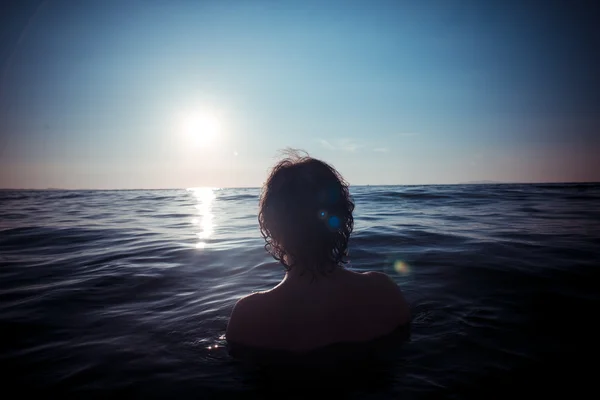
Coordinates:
(201, 128)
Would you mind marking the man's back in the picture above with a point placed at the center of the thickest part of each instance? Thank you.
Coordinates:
(303, 314)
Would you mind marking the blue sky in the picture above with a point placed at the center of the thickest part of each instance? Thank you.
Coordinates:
(93, 94)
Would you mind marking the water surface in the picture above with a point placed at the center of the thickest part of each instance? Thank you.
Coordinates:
(130, 291)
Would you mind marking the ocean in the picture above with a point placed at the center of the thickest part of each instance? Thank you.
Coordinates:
(129, 291)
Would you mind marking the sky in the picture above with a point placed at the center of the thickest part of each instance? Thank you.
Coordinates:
(173, 94)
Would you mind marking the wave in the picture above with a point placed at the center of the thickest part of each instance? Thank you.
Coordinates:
(153, 197)
(412, 196)
(239, 197)
(69, 195)
(38, 235)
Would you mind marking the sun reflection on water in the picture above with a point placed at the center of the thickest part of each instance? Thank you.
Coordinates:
(204, 196)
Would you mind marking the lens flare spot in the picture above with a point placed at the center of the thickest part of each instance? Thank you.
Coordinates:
(401, 267)
(334, 222)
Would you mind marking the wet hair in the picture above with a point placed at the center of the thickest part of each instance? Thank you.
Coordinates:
(305, 214)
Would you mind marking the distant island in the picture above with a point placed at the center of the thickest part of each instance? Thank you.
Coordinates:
(480, 182)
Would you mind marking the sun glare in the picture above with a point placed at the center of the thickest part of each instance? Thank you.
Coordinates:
(201, 128)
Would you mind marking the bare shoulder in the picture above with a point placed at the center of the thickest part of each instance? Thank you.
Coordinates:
(379, 278)
(244, 319)
(388, 291)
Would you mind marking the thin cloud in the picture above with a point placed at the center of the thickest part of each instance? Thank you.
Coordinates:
(349, 145)
(326, 144)
(381, 149)
(341, 144)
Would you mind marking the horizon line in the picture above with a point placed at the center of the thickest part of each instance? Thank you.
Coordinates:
(358, 185)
